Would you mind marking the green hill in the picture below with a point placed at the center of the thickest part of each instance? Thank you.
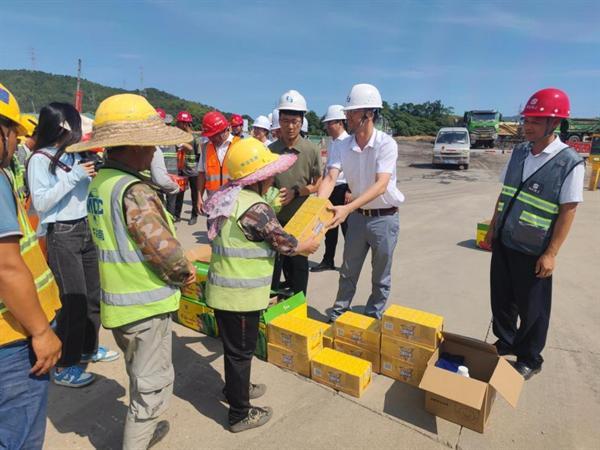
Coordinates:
(34, 89)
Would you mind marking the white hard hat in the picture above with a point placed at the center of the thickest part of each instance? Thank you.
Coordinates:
(292, 101)
(275, 121)
(262, 122)
(304, 128)
(334, 112)
(270, 117)
(363, 96)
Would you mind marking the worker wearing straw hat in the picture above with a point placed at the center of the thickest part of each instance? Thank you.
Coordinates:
(245, 236)
(142, 265)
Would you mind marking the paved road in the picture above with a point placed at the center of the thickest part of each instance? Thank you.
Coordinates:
(436, 268)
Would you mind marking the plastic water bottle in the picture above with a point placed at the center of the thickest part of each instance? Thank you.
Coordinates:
(463, 371)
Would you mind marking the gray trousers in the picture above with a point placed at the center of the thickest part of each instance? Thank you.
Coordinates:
(380, 234)
(147, 346)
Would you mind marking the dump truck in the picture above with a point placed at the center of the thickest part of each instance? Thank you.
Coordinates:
(482, 126)
(578, 130)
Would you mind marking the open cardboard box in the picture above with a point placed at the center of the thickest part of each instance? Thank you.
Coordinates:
(468, 401)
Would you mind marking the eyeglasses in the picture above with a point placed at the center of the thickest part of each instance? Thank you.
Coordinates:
(293, 122)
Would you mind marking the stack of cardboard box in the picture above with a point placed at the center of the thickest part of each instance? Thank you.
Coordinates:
(409, 338)
(293, 342)
(359, 336)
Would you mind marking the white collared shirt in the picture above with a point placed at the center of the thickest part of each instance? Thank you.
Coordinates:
(341, 177)
(222, 149)
(361, 167)
(572, 188)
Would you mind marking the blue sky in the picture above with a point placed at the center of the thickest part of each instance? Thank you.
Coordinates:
(241, 55)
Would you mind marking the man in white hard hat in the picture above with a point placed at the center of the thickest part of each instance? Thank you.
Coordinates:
(260, 129)
(335, 122)
(275, 128)
(368, 158)
(295, 184)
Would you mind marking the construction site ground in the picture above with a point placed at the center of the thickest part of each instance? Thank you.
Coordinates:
(437, 268)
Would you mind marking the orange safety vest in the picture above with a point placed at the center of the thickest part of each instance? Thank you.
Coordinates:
(47, 289)
(216, 173)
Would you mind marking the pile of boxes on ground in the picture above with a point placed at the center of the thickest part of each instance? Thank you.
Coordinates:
(404, 345)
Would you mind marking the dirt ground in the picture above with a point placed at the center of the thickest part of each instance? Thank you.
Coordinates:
(436, 268)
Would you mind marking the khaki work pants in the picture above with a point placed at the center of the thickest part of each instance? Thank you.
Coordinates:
(147, 346)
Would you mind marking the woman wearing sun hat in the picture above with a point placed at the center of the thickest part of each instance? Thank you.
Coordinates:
(142, 265)
(245, 237)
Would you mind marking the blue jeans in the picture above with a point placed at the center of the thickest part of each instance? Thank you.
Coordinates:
(23, 399)
(380, 234)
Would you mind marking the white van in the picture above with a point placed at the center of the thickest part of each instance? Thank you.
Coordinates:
(452, 146)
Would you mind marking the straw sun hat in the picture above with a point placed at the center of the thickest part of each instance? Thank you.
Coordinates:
(128, 119)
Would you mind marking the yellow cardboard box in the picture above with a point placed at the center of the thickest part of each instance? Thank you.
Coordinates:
(359, 330)
(300, 311)
(401, 370)
(359, 352)
(288, 359)
(310, 219)
(198, 316)
(295, 333)
(340, 371)
(409, 352)
(413, 325)
(327, 330)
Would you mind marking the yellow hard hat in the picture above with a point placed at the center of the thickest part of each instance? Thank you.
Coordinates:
(29, 122)
(9, 108)
(128, 119)
(246, 156)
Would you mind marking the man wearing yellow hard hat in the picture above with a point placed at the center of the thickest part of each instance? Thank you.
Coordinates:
(29, 300)
(142, 265)
(245, 237)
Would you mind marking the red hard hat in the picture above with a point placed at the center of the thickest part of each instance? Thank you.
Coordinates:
(236, 120)
(162, 113)
(213, 123)
(549, 102)
(184, 116)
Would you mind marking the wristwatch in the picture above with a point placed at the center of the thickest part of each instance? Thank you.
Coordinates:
(296, 190)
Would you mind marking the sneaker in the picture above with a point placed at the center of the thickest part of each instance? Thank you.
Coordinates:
(102, 355)
(73, 376)
(256, 417)
(256, 391)
(193, 220)
(322, 266)
(161, 430)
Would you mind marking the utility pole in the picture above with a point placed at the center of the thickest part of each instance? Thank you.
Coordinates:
(78, 92)
(32, 56)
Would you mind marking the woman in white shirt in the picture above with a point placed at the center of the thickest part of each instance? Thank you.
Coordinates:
(58, 183)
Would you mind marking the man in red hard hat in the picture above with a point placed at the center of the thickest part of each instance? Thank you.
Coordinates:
(237, 125)
(542, 186)
(188, 166)
(212, 171)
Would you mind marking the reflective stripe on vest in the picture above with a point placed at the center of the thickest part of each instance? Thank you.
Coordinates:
(170, 157)
(126, 279)
(241, 271)
(528, 209)
(45, 284)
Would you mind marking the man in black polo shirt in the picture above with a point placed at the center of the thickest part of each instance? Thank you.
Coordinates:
(295, 184)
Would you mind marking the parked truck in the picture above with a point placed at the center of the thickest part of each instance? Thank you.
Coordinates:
(482, 126)
(578, 130)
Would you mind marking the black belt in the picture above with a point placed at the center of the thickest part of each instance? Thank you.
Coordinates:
(378, 212)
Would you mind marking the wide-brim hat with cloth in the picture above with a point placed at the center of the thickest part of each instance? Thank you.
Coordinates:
(248, 161)
(128, 119)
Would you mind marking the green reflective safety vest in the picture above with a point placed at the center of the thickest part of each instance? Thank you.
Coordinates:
(240, 273)
(527, 210)
(17, 170)
(170, 155)
(130, 290)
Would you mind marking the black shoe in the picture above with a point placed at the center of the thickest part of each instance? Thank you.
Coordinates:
(256, 391)
(193, 220)
(256, 417)
(161, 430)
(502, 348)
(526, 371)
(322, 266)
